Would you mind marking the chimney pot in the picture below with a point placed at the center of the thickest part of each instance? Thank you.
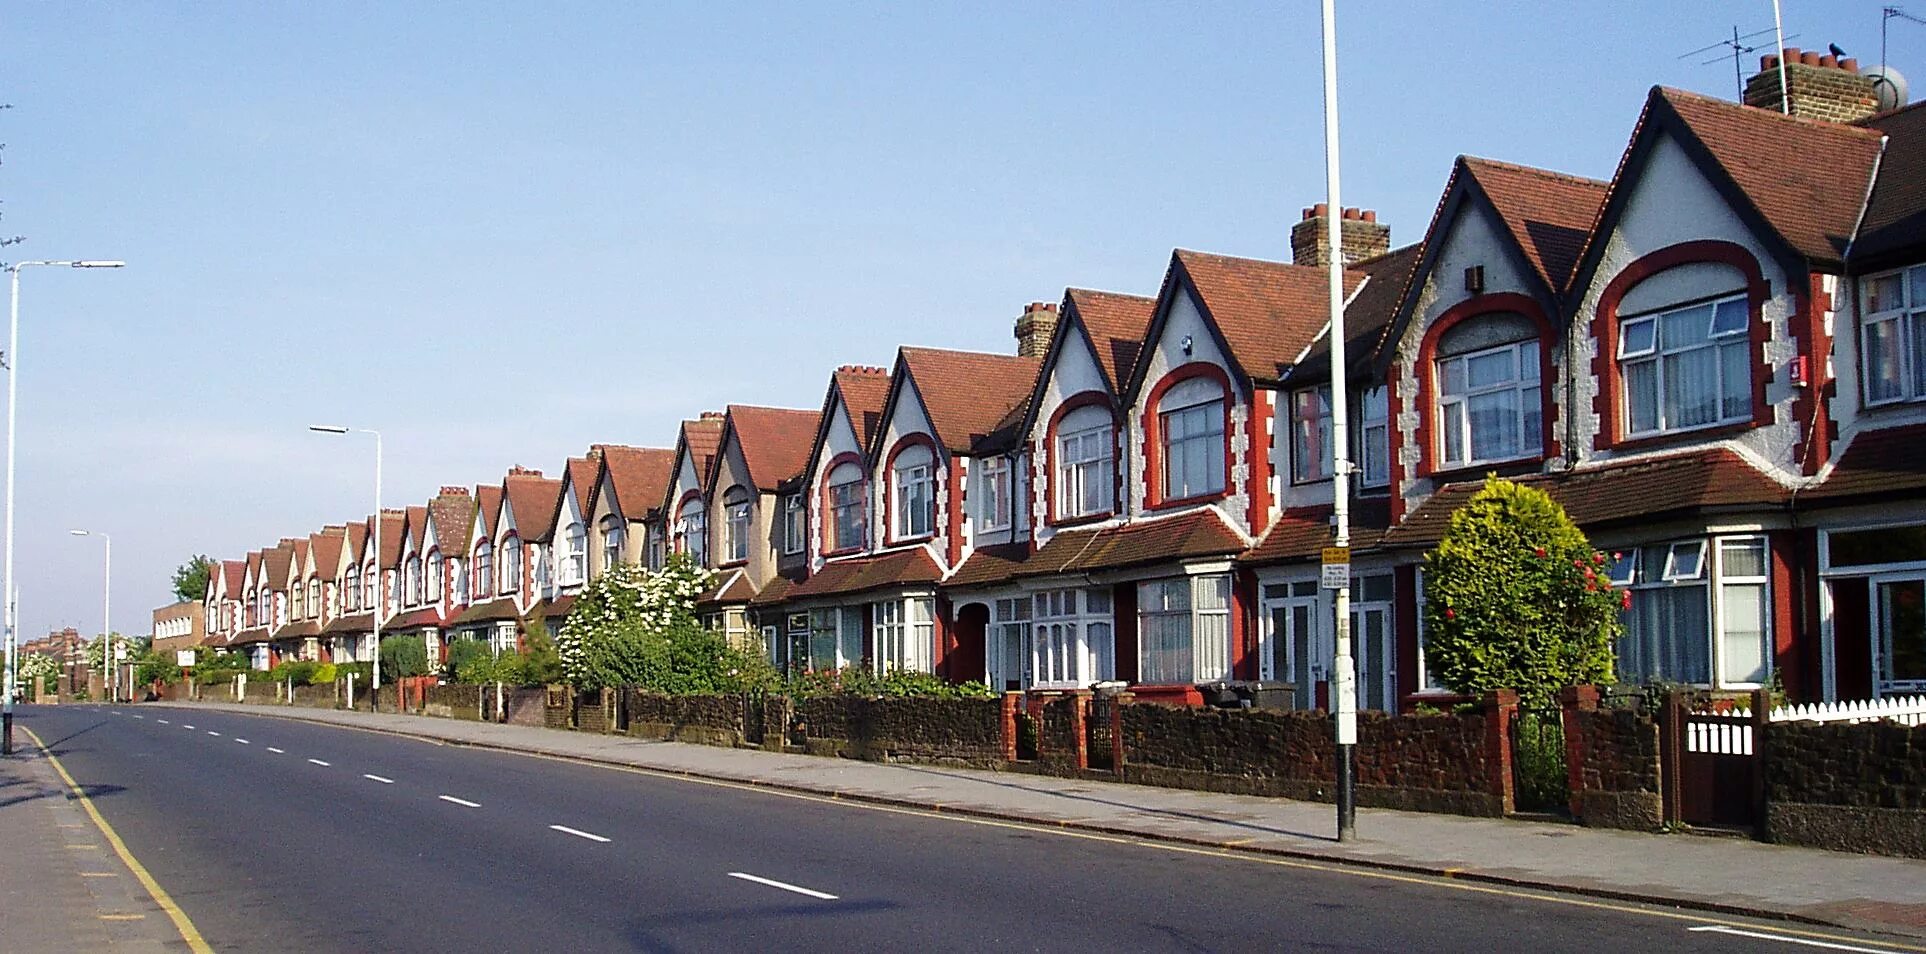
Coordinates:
(1826, 60)
(1351, 213)
(1768, 61)
(1320, 210)
(1849, 64)
(1809, 58)
(1370, 215)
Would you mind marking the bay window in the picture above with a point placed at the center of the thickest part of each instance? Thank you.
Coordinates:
(1688, 367)
(1190, 418)
(905, 632)
(993, 493)
(1490, 406)
(835, 638)
(795, 523)
(1184, 627)
(913, 484)
(1085, 474)
(1699, 614)
(1893, 335)
(511, 564)
(735, 513)
(1072, 638)
(846, 524)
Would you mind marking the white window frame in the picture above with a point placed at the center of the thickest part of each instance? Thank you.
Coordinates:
(846, 497)
(613, 535)
(913, 490)
(692, 531)
(905, 634)
(1907, 316)
(1073, 638)
(436, 571)
(1184, 407)
(1657, 352)
(1085, 457)
(1196, 633)
(1373, 452)
(735, 528)
(352, 589)
(511, 564)
(575, 560)
(413, 582)
(795, 524)
(994, 491)
(1526, 359)
(1701, 563)
(483, 563)
(838, 629)
(1308, 464)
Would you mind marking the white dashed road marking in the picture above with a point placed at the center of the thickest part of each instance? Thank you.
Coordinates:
(163, 722)
(578, 833)
(784, 886)
(318, 762)
(377, 778)
(243, 741)
(212, 732)
(277, 751)
(186, 726)
(465, 803)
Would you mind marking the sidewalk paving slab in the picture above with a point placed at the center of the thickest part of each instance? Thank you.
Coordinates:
(1725, 874)
(62, 887)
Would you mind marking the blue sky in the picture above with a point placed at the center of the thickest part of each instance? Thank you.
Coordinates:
(502, 232)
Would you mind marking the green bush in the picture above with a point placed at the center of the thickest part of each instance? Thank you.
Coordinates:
(898, 683)
(541, 664)
(301, 671)
(324, 674)
(470, 661)
(403, 656)
(151, 667)
(362, 673)
(1515, 597)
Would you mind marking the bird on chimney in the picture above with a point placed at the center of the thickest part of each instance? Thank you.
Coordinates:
(1836, 51)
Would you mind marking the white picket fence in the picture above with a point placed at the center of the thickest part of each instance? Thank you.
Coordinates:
(1730, 732)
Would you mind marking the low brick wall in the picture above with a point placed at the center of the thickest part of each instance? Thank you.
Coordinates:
(1847, 787)
(523, 704)
(262, 691)
(1612, 757)
(938, 731)
(558, 707)
(705, 720)
(591, 711)
(316, 697)
(1436, 763)
(453, 701)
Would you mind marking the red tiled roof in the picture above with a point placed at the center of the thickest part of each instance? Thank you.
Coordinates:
(489, 612)
(558, 606)
(258, 634)
(235, 572)
(300, 555)
(775, 441)
(301, 630)
(357, 623)
(1549, 214)
(275, 563)
(700, 438)
(863, 391)
(862, 574)
(531, 500)
(1198, 533)
(1116, 324)
(778, 590)
(488, 497)
(732, 586)
(1367, 317)
(326, 547)
(417, 525)
(454, 520)
(1808, 179)
(391, 528)
(1267, 312)
(427, 616)
(1877, 463)
(641, 476)
(1303, 532)
(968, 394)
(582, 472)
(1895, 223)
(990, 564)
(1633, 491)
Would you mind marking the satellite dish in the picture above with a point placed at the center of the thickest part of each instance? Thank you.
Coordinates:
(1889, 87)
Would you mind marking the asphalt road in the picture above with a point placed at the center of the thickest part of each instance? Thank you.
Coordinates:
(276, 835)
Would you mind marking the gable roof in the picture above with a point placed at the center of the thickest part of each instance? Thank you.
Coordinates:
(454, 516)
(235, 573)
(641, 477)
(275, 562)
(531, 499)
(326, 548)
(1264, 314)
(698, 440)
(775, 441)
(488, 502)
(967, 395)
(862, 391)
(1115, 324)
(1894, 228)
(357, 539)
(1367, 316)
(1549, 214)
(392, 526)
(1800, 184)
(417, 524)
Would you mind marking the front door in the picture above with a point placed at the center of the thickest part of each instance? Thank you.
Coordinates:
(1899, 661)
(1375, 656)
(1290, 649)
(1008, 645)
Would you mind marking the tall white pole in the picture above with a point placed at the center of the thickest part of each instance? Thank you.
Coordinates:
(1779, 33)
(13, 381)
(107, 659)
(375, 681)
(1344, 678)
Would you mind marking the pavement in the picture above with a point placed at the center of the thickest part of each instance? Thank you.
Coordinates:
(63, 887)
(1707, 873)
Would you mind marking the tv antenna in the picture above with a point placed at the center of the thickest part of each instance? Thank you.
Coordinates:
(1887, 15)
(1736, 48)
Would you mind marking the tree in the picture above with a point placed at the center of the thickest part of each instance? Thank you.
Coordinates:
(1515, 597)
(190, 578)
(634, 627)
(403, 655)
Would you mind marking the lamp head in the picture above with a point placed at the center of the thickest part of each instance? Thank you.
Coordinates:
(99, 263)
(78, 533)
(328, 428)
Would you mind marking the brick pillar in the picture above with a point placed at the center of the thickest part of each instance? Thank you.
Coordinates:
(1117, 704)
(1573, 700)
(1501, 709)
(1008, 721)
(1080, 726)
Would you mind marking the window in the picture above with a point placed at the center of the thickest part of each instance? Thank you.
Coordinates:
(735, 510)
(1489, 405)
(905, 632)
(1191, 418)
(1311, 434)
(1185, 629)
(993, 493)
(575, 560)
(369, 580)
(414, 581)
(1373, 451)
(657, 546)
(1009, 655)
(1699, 613)
(913, 482)
(511, 581)
(295, 600)
(846, 525)
(692, 532)
(1688, 367)
(314, 597)
(437, 572)
(351, 592)
(835, 638)
(484, 564)
(1072, 641)
(543, 569)
(1085, 473)
(795, 523)
(611, 541)
(1893, 330)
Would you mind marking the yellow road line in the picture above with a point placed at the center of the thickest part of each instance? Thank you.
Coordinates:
(192, 936)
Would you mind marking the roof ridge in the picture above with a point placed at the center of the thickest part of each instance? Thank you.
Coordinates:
(1533, 170)
(1670, 92)
(1074, 290)
(924, 349)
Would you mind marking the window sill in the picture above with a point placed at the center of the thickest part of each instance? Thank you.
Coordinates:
(1477, 471)
(733, 564)
(1080, 520)
(911, 538)
(1186, 501)
(846, 551)
(1684, 436)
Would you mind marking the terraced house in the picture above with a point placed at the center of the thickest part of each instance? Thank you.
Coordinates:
(1716, 361)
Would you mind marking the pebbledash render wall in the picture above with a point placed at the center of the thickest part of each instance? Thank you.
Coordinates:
(1846, 787)
(1162, 357)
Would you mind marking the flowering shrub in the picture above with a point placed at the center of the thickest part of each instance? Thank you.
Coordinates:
(634, 627)
(34, 666)
(1515, 597)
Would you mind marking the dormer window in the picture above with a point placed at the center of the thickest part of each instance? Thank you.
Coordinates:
(369, 580)
(1085, 475)
(692, 530)
(1374, 438)
(993, 493)
(1686, 368)
(913, 483)
(795, 523)
(735, 513)
(1490, 405)
(1894, 333)
(1311, 434)
(846, 524)
(295, 601)
(511, 580)
(611, 541)
(1190, 419)
(656, 547)
(314, 598)
(575, 565)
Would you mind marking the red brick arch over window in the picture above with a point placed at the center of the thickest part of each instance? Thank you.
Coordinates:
(1081, 399)
(1467, 310)
(1153, 427)
(828, 539)
(1611, 423)
(888, 483)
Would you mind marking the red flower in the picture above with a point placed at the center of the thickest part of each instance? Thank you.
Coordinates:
(1591, 587)
(1618, 556)
(1625, 599)
(1450, 613)
(1598, 558)
(1578, 564)
(1540, 553)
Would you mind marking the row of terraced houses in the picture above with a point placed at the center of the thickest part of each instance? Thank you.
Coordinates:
(1716, 361)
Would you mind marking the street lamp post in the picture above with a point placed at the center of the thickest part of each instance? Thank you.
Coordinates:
(13, 391)
(106, 609)
(374, 680)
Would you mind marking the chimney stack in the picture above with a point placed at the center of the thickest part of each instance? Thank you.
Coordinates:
(449, 491)
(1820, 85)
(1034, 327)
(1363, 236)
